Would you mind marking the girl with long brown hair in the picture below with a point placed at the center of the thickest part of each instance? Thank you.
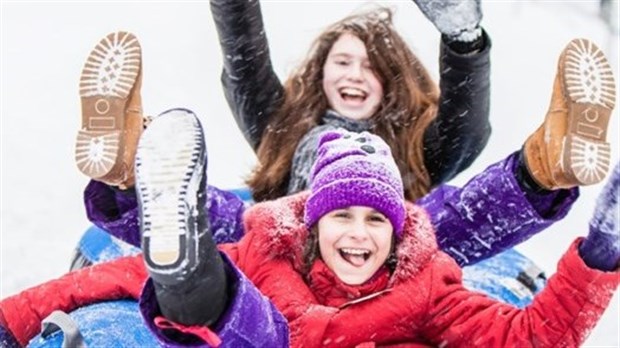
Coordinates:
(361, 75)
(434, 134)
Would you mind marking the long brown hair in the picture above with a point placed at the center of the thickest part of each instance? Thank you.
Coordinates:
(408, 106)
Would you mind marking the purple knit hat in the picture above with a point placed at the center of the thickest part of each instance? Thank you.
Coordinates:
(355, 169)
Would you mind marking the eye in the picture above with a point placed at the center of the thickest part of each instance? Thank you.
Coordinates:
(343, 214)
(377, 218)
(342, 62)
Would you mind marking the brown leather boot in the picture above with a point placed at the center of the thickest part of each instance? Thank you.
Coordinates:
(570, 147)
(112, 120)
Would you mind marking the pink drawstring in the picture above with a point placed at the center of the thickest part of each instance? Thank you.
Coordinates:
(201, 331)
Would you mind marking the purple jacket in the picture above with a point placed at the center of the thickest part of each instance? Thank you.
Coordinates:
(250, 320)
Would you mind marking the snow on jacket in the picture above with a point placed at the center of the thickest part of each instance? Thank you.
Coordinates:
(422, 303)
(452, 141)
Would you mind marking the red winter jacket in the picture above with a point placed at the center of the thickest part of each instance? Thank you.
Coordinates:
(422, 303)
(22, 313)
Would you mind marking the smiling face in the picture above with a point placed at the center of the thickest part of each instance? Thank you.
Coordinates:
(350, 84)
(354, 242)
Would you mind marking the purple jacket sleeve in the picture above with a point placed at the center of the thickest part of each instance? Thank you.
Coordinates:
(601, 249)
(251, 320)
(491, 213)
(117, 212)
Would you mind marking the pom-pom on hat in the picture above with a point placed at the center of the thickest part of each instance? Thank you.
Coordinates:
(355, 169)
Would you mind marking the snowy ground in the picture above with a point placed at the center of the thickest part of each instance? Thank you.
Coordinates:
(44, 45)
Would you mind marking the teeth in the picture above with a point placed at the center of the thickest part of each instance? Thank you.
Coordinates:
(355, 251)
(353, 92)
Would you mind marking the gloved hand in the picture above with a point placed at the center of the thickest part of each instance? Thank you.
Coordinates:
(601, 249)
(457, 19)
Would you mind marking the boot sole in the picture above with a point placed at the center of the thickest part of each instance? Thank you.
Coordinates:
(107, 78)
(169, 169)
(589, 84)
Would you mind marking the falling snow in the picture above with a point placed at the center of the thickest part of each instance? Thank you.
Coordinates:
(42, 211)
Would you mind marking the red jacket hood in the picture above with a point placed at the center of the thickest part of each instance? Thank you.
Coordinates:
(283, 234)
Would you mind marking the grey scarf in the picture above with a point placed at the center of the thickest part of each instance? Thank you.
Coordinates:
(305, 153)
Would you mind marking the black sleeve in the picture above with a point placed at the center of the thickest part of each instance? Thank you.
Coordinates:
(251, 87)
(461, 129)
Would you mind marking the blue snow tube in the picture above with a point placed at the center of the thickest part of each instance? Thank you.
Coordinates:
(509, 277)
(97, 245)
(105, 324)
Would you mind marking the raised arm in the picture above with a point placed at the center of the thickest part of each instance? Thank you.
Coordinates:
(565, 311)
(251, 87)
(562, 315)
(461, 129)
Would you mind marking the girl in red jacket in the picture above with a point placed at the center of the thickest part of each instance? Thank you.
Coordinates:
(348, 263)
(365, 267)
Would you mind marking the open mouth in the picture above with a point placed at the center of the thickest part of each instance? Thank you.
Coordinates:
(351, 94)
(356, 257)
